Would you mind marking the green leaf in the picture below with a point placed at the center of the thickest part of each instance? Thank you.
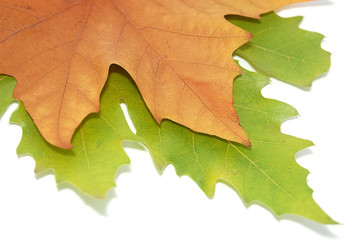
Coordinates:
(7, 85)
(97, 154)
(279, 48)
(267, 172)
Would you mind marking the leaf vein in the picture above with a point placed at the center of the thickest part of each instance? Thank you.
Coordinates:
(263, 172)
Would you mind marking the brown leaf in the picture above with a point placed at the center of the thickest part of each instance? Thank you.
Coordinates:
(179, 52)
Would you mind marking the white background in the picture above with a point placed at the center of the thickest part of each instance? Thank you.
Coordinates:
(146, 205)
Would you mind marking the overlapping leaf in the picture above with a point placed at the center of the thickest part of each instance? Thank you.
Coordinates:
(7, 86)
(97, 154)
(282, 50)
(267, 173)
(178, 52)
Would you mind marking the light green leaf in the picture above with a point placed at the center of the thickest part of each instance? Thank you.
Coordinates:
(7, 85)
(279, 48)
(267, 172)
(97, 154)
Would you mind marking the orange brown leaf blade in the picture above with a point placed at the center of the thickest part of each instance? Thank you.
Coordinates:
(182, 69)
(246, 8)
(60, 53)
(180, 57)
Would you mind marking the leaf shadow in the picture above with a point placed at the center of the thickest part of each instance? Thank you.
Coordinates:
(306, 4)
(303, 152)
(316, 227)
(134, 145)
(321, 76)
(98, 205)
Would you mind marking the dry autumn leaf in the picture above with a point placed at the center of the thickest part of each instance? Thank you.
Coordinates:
(178, 52)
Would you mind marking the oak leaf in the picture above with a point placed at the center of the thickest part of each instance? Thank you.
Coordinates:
(97, 154)
(266, 173)
(280, 49)
(178, 52)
